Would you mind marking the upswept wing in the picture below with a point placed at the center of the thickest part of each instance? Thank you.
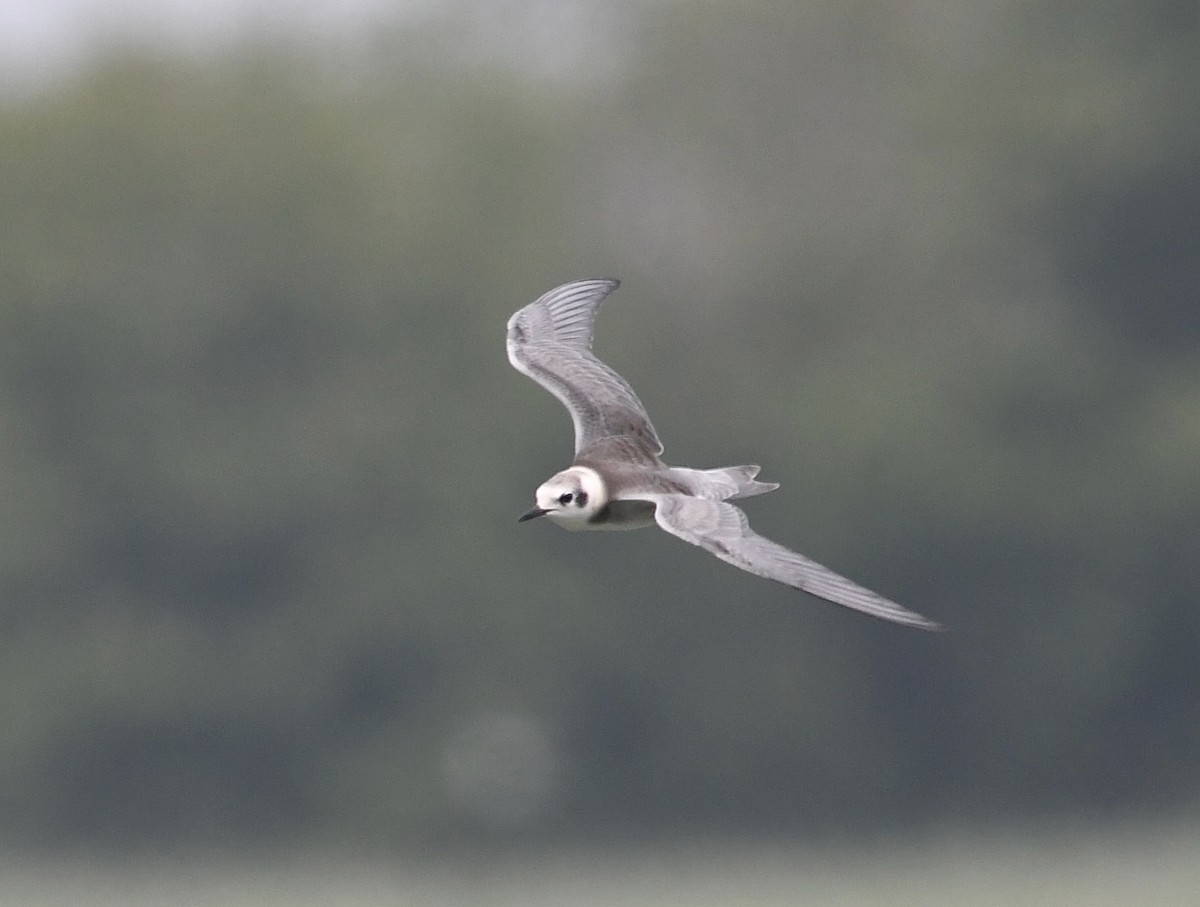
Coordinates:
(550, 340)
(722, 529)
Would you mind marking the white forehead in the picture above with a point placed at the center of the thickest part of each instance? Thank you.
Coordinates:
(577, 478)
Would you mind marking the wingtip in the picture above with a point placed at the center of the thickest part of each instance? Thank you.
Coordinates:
(899, 615)
(931, 625)
(612, 282)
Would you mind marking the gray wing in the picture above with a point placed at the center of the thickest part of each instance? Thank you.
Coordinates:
(550, 340)
(722, 529)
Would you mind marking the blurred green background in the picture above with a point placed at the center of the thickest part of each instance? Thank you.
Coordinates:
(935, 266)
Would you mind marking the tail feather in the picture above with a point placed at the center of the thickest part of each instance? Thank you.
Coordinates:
(746, 484)
(725, 483)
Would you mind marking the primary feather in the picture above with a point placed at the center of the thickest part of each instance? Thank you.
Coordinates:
(550, 340)
(723, 529)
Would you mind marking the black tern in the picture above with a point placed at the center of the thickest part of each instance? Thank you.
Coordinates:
(617, 479)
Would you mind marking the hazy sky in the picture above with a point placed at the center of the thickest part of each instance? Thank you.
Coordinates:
(40, 38)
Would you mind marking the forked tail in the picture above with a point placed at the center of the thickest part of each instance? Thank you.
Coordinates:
(747, 486)
(727, 482)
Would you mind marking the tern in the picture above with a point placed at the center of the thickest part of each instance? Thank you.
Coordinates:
(618, 479)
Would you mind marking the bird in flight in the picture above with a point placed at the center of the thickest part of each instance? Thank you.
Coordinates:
(618, 479)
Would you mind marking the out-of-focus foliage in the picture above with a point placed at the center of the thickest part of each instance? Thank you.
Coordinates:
(262, 450)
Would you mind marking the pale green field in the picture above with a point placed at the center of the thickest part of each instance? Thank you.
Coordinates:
(1125, 867)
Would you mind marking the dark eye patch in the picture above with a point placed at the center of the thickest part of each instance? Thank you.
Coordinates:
(565, 498)
(581, 498)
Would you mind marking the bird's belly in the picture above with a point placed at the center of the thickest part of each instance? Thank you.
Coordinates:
(622, 515)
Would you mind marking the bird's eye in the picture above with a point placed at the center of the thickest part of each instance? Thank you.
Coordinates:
(565, 498)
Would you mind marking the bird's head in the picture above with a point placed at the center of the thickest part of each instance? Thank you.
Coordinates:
(573, 496)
